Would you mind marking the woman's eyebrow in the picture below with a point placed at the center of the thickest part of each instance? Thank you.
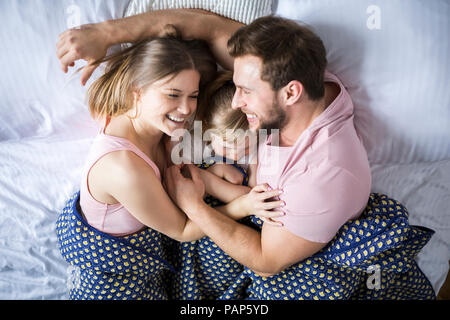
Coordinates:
(178, 90)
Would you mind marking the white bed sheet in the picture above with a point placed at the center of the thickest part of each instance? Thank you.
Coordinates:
(424, 188)
(46, 130)
(45, 133)
(36, 177)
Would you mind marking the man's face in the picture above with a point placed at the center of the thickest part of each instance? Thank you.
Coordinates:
(255, 97)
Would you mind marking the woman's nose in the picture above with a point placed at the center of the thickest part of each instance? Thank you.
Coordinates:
(186, 107)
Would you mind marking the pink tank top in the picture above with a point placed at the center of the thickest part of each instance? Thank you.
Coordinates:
(113, 219)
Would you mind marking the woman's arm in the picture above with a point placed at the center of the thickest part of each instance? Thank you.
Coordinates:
(126, 178)
(90, 42)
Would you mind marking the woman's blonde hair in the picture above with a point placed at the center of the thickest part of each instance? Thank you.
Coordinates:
(144, 63)
(215, 108)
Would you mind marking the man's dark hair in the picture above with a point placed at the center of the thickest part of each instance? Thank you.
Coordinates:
(289, 51)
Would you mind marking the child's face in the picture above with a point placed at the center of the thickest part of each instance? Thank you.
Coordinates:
(231, 150)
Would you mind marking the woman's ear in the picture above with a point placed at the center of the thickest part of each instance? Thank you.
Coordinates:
(292, 92)
(136, 96)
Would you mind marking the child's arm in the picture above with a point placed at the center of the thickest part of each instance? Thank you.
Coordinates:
(227, 172)
(260, 201)
(219, 188)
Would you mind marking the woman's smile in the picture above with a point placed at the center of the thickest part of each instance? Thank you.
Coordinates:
(178, 120)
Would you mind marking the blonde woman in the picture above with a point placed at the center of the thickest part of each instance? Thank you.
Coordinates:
(147, 92)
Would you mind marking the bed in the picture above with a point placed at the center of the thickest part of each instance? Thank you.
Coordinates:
(392, 56)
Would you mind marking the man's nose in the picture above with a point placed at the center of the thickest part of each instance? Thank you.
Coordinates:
(237, 101)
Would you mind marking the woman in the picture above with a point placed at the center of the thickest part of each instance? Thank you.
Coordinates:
(147, 92)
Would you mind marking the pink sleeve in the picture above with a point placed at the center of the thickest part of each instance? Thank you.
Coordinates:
(319, 201)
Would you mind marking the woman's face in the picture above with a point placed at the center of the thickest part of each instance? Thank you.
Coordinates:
(168, 103)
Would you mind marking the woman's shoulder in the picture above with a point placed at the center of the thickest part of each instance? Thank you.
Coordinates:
(127, 162)
(123, 169)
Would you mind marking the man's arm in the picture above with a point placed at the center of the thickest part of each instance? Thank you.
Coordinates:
(267, 253)
(90, 42)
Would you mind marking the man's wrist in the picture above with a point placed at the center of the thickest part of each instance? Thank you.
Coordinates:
(125, 30)
(194, 207)
(109, 33)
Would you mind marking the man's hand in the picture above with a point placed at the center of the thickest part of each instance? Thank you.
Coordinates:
(89, 43)
(187, 193)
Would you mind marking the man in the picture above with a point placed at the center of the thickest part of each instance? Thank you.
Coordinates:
(281, 83)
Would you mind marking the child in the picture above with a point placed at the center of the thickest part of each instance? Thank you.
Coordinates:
(234, 146)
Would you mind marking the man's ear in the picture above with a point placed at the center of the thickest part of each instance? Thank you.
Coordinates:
(292, 92)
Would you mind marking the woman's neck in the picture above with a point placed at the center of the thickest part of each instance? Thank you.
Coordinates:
(149, 137)
(145, 138)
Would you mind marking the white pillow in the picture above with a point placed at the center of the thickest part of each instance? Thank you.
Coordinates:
(239, 10)
(393, 56)
(35, 93)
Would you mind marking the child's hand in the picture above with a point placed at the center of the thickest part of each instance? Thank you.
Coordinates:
(257, 203)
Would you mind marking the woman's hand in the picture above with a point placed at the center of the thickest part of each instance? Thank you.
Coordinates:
(186, 192)
(256, 203)
(88, 42)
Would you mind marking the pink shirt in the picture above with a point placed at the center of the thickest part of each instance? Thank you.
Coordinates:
(325, 175)
(113, 219)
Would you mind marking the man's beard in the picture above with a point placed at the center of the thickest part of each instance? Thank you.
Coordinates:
(276, 119)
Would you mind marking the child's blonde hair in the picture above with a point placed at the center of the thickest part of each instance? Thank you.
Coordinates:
(215, 109)
(144, 63)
